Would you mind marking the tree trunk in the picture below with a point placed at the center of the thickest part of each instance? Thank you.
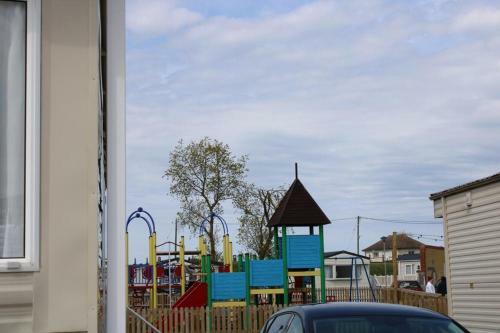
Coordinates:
(211, 239)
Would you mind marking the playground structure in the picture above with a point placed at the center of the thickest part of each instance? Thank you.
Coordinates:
(170, 273)
(296, 257)
(141, 214)
(142, 278)
(243, 280)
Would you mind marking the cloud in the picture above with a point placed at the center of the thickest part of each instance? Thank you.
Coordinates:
(478, 19)
(155, 17)
(381, 103)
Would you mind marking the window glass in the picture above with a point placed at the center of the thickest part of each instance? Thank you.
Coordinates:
(279, 324)
(12, 127)
(408, 270)
(295, 325)
(343, 272)
(384, 324)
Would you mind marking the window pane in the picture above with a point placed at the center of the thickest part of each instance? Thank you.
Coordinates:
(12, 127)
(343, 272)
(295, 326)
(384, 324)
(279, 324)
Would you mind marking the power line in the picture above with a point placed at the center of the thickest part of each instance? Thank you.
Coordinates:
(343, 219)
(423, 235)
(436, 238)
(401, 221)
(397, 221)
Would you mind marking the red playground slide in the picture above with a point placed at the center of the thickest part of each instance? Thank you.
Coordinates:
(195, 296)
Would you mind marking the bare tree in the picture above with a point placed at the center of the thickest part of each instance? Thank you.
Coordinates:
(257, 206)
(203, 175)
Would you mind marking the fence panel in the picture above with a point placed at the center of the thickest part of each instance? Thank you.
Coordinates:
(251, 319)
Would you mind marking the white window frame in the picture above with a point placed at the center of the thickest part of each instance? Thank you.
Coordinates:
(31, 260)
(332, 276)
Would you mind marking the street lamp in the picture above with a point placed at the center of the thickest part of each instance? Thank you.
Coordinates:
(383, 238)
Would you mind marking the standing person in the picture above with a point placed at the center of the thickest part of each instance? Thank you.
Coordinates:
(441, 286)
(429, 288)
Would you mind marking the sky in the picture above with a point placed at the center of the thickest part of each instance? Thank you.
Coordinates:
(380, 102)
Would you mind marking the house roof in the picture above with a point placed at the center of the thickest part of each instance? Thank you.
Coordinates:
(409, 257)
(336, 253)
(466, 187)
(403, 241)
(298, 209)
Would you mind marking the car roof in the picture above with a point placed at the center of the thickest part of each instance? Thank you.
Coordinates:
(360, 309)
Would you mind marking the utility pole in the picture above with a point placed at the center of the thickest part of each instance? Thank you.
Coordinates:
(358, 235)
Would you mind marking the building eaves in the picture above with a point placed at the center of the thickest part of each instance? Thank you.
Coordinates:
(331, 254)
(466, 187)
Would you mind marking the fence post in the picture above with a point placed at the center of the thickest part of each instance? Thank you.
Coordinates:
(247, 291)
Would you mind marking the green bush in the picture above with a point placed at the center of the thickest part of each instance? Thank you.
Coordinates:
(377, 268)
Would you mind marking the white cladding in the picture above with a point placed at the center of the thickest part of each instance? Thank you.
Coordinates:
(472, 236)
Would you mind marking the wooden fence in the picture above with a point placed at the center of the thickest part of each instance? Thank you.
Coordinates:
(420, 299)
(196, 320)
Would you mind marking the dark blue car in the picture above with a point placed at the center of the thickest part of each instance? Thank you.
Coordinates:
(359, 318)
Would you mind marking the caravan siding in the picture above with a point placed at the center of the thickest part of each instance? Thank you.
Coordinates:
(472, 236)
(62, 295)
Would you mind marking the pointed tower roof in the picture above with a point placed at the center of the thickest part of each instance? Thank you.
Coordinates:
(298, 209)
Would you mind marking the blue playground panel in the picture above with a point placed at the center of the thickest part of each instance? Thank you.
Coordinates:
(303, 251)
(228, 286)
(266, 273)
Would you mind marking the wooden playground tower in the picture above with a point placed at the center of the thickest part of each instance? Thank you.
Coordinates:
(295, 257)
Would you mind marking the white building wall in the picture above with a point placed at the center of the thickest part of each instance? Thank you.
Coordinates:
(344, 282)
(472, 247)
(62, 295)
(411, 274)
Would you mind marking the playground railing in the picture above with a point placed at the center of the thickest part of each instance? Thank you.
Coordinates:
(138, 301)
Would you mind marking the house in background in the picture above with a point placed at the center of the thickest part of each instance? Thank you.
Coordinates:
(418, 267)
(408, 267)
(415, 260)
(62, 156)
(471, 220)
(340, 266)
(405, 245)
(432, 263)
